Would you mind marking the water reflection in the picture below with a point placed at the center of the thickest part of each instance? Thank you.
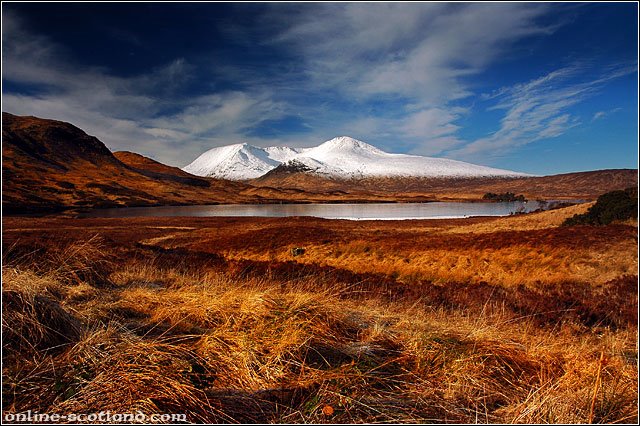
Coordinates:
(379, 211)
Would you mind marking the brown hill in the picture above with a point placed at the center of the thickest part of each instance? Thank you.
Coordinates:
(580, 185)
(52, 165)
(154, 169)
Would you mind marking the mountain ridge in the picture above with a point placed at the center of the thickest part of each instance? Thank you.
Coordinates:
(341, 157)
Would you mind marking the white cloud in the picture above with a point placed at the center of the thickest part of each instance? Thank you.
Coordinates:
(434, 128)
(598, 114)
(601, 114)
(538, 109)
(430, 122)
(419, 55)
(126, 113)
(221, 112)
(417, 50)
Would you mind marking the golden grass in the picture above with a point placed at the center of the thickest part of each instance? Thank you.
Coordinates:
(515, 265)
(538, 220)
(224, 348)
(415, 256)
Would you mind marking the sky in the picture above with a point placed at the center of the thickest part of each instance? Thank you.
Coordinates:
(541, 88)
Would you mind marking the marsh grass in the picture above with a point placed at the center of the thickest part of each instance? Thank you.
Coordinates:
(85, 334)
(510, 251)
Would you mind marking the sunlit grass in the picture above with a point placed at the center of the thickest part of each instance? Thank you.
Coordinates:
(221, 347)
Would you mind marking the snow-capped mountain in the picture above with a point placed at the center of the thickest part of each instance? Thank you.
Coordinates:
(341, 157)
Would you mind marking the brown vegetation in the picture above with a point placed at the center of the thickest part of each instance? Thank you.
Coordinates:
(511, 320)
(51, 165)
(568, 186)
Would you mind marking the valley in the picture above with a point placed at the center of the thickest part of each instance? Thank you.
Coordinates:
(51, 166)
(526, 318)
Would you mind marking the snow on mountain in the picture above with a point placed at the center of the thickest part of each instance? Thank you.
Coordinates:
(234, 162)
(282, 153)
(341, 157)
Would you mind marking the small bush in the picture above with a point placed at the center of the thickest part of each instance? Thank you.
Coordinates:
(506, 197)
(614, 205)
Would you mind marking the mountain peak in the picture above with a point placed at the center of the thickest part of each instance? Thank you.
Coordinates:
(236, 162)
(347, 142)
(236, 146)
(344, 140)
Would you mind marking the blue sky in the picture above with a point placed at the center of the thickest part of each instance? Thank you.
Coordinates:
(541, 88)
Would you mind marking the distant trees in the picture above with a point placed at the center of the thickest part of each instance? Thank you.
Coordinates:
(614, 205)
(505, 197)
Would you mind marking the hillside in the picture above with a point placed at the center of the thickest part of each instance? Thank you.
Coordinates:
(51, 165)
(152, 168)
(581, 185)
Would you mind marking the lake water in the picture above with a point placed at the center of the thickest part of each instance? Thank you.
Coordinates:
(369, 211)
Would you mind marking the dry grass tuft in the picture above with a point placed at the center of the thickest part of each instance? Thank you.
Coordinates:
(32, 323)
(125, 373)
(73, 262)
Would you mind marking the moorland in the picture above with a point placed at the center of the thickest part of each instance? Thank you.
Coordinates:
(516, 319)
